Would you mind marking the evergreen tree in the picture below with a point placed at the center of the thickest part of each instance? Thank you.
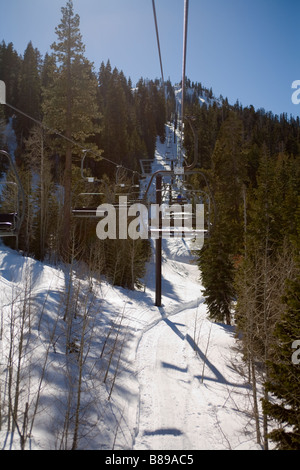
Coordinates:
(217, 259)
(266, 264)
(115, 138)
(29, 91)
(217, 274)
(105, 73)
(159, 109)
(145, 117)
(40, 166)
(284, 374)
(284, 366)
(48, 71)
(70, 104)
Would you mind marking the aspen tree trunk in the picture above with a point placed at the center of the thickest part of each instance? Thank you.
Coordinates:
(266, 311)
(43, 201)
(68, 158)
(255, 401)
(67, 202)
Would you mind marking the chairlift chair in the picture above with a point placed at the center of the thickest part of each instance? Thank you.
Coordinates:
(85, 204)
(126, 187)
(86, 210)
(11, 211)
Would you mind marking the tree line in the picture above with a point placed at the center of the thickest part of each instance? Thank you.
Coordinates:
(249, 266)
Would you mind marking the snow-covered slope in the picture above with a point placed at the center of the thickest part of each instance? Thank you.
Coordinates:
(191, 397)
(176, 387)
(152, 378)
(203, 97)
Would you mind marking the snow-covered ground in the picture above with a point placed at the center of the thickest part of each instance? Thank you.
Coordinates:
(177, 386)
(152, 378)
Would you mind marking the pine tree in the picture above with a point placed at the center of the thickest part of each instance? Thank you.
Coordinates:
(157, 98)
(115, 122)
(267, 262)
(105, 73)
(70, 104)
(283, 368)
(284, 375)
(40, 166)
(145, 117)
(216, 261)
(29, 90)
(217, 274)
(48, 71)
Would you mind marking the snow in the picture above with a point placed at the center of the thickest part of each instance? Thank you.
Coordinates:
(191, 396)
(203, 98)
(177, 386)
(172, 383)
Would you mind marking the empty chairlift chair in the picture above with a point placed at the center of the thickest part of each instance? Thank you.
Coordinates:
(86, 203)
(12, 199)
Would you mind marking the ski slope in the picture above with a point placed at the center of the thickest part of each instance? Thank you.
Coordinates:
(177, 386)
(173, 381)
(190, 395)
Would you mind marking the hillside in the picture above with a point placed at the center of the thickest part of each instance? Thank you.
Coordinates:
(87, 361)
(145, 377)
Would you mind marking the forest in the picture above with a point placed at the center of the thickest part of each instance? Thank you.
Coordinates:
(250, 265)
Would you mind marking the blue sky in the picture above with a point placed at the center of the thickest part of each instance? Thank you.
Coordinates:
(244, 49)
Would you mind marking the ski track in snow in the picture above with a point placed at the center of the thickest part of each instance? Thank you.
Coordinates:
(176, 410)
(166, 394)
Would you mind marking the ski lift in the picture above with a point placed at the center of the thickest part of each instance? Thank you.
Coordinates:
(146, 167)
(129, 189)
(86, 203)
(12, 208)
(180, 193)
(86, 210)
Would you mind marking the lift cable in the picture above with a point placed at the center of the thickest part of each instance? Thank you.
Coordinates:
(71, 141)
(84, 149)
(185, 30)
(158, 43)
